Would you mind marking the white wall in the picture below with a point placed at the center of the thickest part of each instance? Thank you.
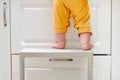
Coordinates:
(116, 40)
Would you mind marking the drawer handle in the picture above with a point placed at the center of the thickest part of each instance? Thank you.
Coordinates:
(61, 60)
(4, 13)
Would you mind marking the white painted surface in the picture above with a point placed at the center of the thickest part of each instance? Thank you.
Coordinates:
(101, 67)
(31, 25)
(116, 40)
(5, 69)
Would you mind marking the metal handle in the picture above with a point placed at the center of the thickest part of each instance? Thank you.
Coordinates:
(4, 14)
(61, 59)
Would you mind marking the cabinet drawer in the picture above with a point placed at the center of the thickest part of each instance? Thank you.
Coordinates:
(57, 62)
(52, 68)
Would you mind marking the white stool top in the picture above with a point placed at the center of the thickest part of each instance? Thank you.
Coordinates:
(51, 50)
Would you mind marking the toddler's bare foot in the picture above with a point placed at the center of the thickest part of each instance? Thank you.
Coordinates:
(87, 46)
(59, 45)
(60, 41)
(85, 41)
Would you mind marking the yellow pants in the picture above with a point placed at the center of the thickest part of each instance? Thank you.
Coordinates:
(78, 9)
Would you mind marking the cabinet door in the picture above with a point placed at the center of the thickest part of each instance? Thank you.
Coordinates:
(4, 41)
(101, 68)
(32, 23)
(101, 25)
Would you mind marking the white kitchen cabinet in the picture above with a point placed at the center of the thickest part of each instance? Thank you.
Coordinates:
(5, 69)
(31, 25)
(101, 68)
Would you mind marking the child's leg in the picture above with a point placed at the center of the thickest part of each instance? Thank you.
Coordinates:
(85, 41)
(81, 14)
(61, 23)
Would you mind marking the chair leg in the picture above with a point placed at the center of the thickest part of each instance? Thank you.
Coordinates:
(22, 71)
